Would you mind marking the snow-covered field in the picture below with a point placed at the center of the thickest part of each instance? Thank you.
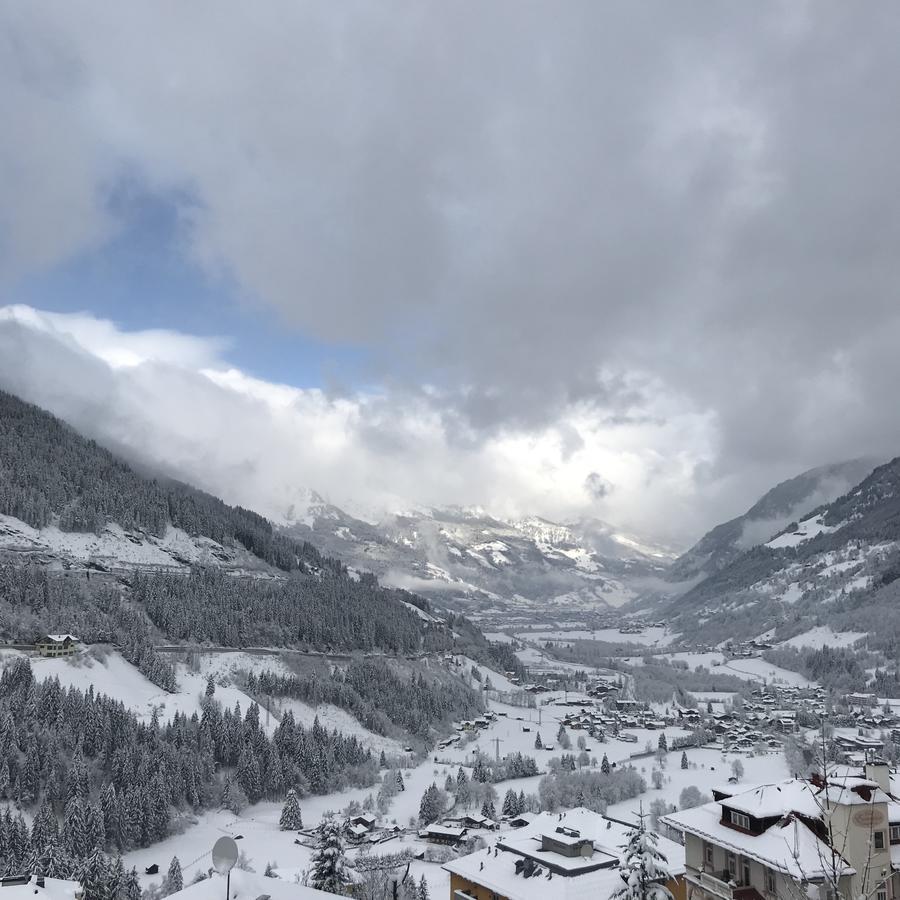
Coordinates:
(649, 637)
(759, 670)
(823, 636)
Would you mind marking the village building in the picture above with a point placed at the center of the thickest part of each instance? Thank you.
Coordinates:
(37, 887)
(57, 645)
(794, 838)
(565, 856)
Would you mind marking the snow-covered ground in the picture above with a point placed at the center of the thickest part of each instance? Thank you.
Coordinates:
(823, 636)
(760, 670)
(649, 637)
(806, 529)
(262, 842)
(116, 547)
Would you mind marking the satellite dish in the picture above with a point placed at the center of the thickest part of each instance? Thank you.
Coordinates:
(224, 855)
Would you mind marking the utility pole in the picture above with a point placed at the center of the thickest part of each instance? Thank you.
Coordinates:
(497, 743)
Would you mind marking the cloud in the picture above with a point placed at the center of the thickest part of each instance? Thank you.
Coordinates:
(597, 486)
(677, 220)
(182, 410)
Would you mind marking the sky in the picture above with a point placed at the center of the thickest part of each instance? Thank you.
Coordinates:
(633, 261)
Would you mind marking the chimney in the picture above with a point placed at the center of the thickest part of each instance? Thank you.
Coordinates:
(877, 770)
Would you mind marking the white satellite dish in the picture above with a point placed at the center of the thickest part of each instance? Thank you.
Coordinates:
(224, 855)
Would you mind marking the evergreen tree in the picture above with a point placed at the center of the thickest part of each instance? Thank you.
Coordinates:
(431, 807)
(291, 818)
(210, 687)
(488, 810)
(174, 879)
(684, 759)
(663, 743)
(423, 889)
(328, 864)
(538, 743)
(400, 785)
(604, 765)
(643, 868)
(510, 804)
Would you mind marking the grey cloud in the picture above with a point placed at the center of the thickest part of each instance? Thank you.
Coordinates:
(597, 486)
(522, 203)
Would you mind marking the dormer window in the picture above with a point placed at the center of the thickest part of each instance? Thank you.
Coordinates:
(739, 819)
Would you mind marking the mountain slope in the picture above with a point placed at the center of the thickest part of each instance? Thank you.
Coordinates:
(832, 567)
(167, 556)
(456, 554)
(772, 512)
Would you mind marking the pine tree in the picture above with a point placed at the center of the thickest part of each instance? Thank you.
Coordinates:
(538, 743)
(684, 759)
(174, 879)
(431, 807)
(210, 687)
(291, 818)
(423, 889)
(328, 862)
(604, 765)
(488, 810)
(510, 804)
(643, 868)
(400, 785)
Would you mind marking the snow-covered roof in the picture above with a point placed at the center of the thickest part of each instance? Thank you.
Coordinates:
(498, 874)
(249, 886)
(765, 801)
(60, 638)
(608, 836)
(788, 846)
(50, 889)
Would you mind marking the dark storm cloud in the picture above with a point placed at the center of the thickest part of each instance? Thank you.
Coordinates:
(532, 206)
(597, 486)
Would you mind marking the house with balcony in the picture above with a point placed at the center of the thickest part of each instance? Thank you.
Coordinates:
(798, 837)
(564, 856)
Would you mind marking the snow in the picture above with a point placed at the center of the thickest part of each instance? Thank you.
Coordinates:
(333, 717)
(806, 530)
(822, 636)
(655, 636)
(792, 593)
(248, 886)
(760, 670)
(115, 547)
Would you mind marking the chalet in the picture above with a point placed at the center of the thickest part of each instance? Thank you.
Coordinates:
(444, 834)
(57, 645)
(794, 837)
(564, 856)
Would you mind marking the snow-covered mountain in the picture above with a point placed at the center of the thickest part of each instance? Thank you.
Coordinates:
(457, 553)
(778, 507)
(835, 565)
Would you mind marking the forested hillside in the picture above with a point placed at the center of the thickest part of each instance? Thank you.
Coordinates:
(836, 565)
(50, 473)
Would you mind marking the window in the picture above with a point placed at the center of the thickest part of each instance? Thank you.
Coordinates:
(745, 871)
(708, 854)
(740, 819)
(881, 895)
(730, 863)
(878, 838)
(895, 834)
(770, 882)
